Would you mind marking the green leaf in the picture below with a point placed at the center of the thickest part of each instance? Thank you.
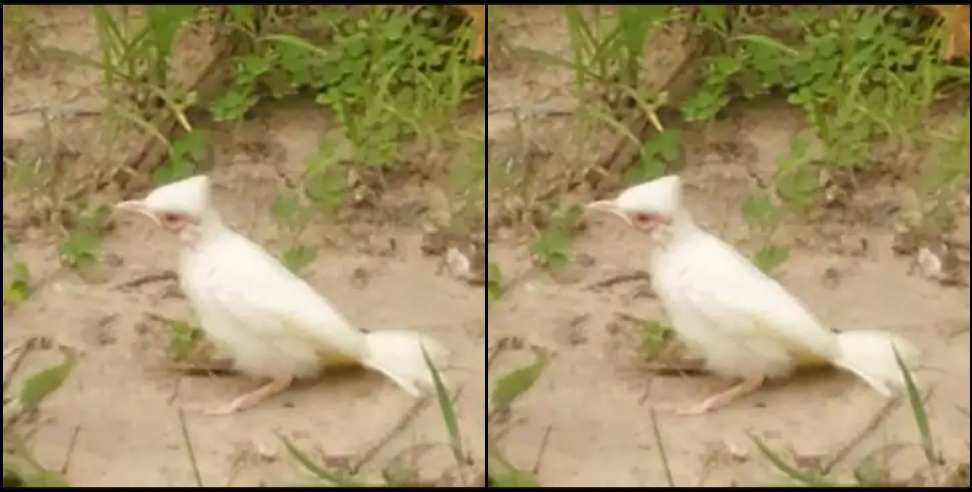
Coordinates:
(80, 249)
(493, 282)
(333, 478)
(40, 385)
(635, 22)
(715, 15)
(664, 145)
(287, 209)
(17, 288)
(298, 257)
(805, 478)
(917, 409)
(509, 387)
(759, 211)
(502, 474)
(245, 15)
(552, 248)
(447, 409)
(234, 104)
(326, 188)
(183, 339)
(770, 257)
(173, 170)
(654, 338)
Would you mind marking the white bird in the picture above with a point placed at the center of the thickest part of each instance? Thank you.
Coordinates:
(744, 323)
(271, 322)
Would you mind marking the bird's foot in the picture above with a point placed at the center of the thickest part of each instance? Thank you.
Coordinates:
(722, 398)
(245, 401)
(715, 401)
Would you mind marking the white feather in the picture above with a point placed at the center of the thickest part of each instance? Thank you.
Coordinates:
(271, 322)
(743, 321)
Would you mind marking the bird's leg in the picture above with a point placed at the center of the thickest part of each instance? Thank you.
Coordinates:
(250, 399)
(725, 397)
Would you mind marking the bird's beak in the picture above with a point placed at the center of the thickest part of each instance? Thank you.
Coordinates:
(611, 207)
(137, 206)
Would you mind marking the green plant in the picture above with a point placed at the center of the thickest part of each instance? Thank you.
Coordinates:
(16, 281)
(135, 60)
(552, 248)
(20, 468)
(80, 249)
(656, 157)
(291, 215)
(186, 156)
(494, 282)
(655, 337)
(183, 338)
(500, 472)
(858, 72)
(763, 216)
(386, 72)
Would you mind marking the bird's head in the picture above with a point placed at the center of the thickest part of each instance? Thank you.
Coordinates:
(181, 207)
(654, 207)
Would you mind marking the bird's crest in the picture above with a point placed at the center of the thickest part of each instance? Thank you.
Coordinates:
(661, 195)
(190, 196)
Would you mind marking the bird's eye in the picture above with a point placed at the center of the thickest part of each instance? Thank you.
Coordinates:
(643, 218)
(170, 218)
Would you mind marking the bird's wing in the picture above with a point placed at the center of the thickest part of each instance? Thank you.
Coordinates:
(264, 297)
(733, 295)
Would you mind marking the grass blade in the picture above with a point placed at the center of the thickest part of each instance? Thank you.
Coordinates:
(511, 386)
(448, 412)
(502, 474)
(192, 454)
(791, 472)
(40, 385)
(661, 449)
(918, 409)
(321, 473)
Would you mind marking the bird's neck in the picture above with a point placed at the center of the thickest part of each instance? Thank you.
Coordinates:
(680, 228)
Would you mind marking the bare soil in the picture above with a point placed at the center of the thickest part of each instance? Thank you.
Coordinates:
(595, 396)
(116, 415)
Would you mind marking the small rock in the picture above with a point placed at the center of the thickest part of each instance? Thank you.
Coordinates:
(359, 278)
(832, 277)
(736, 452)
(264, 451)
(458, 264)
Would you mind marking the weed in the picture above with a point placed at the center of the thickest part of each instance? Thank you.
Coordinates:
(658, 153)
(506, 390)
(80, 249)
(387, 72)
(509, 387)
(552, 248)
(20, 468)
(291, 215)
(16, 279)
(858, 72)
(655, 337)
(186, 156)
(494, 282)
(183, 338)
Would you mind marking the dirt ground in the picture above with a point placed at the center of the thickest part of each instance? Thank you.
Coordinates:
(587, 420)
(116, 415)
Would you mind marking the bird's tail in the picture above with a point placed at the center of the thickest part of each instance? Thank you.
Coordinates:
(398, 355)
(869, 355)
